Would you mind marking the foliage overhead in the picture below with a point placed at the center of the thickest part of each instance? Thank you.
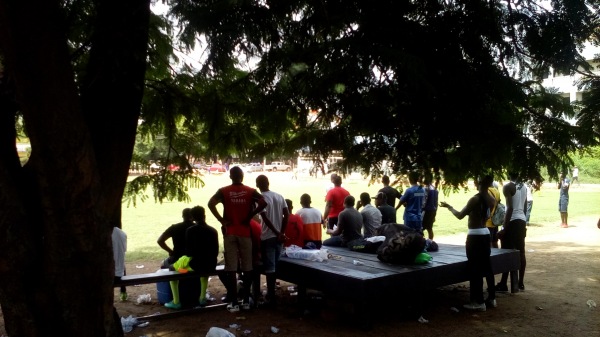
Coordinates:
(451, 87)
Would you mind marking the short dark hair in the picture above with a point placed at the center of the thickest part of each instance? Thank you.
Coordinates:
(305, 199)
(236, 173)
(198, 213)
(385, 179)
(289, 203)
(186, 213)
(349, 201)
(486, 181)
(365, 198)
(381, 196)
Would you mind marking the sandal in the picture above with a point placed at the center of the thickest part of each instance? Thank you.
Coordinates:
(233, 308)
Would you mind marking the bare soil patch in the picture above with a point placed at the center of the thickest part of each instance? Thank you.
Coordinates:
(562, 276)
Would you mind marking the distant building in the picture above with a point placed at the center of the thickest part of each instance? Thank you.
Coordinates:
(566, 84)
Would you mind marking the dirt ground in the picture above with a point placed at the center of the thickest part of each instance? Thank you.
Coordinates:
(563, 275)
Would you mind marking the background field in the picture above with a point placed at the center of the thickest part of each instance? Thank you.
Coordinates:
(144, 223)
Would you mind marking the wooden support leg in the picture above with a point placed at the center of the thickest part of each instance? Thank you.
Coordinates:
(514, 281)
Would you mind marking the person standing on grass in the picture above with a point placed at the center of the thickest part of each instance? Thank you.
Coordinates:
(240, 204)
(515, 228)
(478, 245)
(431, 204)
(201, 251)
(334, 202)
(274, 222)
(391, 193)
(413, 202)
(563, 201)
(176, 233)
(119, 245)
(575, 177)
(313, 220)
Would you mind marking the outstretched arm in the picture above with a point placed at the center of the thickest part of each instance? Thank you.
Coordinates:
(459, 215)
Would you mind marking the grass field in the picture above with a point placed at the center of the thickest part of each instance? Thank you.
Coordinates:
(144, 223)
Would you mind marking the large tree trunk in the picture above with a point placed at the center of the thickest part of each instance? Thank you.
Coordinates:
(56, 267)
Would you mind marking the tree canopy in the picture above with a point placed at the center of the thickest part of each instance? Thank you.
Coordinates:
(447, 87)
(452, 88)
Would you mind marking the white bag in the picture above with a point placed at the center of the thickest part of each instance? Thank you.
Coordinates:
(296, 252)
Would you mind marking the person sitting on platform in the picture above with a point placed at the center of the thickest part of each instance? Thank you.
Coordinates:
(312, 220)
(202, 249)
(349, 225)
(294, 231)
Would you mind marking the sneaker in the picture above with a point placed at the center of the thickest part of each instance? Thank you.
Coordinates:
(501, 288)
(233, 308)
(171, 305)
(202, 303)
(521, 287)
(475, 306)
(564, 225)
(123, 297)
(245, 306)
(491, 303)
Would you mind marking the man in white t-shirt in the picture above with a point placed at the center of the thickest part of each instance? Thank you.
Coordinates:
(274, 221)
(515, 230)
(119, 244)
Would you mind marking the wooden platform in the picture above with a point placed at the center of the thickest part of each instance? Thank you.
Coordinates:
(374, 280)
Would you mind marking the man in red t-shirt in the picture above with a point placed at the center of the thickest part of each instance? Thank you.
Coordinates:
(294, 231)
(240, 204)
(334, 202)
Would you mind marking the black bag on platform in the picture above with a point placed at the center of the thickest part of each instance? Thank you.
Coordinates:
(364, 246)
(402, 244)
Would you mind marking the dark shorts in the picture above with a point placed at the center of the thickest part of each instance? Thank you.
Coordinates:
(563, 204)
(429, 219)
(332, 221)
(514, 235)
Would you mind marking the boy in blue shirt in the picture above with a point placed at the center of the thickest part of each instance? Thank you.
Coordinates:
(412, 200)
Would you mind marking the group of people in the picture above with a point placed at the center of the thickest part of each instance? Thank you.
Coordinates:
(257, 224)
(345, 221)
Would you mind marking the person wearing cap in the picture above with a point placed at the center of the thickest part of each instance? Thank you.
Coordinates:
(388, 213)
(370, 214)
